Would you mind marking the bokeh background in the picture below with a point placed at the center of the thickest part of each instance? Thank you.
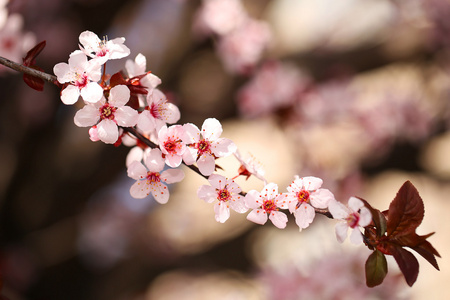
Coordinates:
(354, 92)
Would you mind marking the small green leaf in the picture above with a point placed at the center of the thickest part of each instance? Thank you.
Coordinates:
(376, 268)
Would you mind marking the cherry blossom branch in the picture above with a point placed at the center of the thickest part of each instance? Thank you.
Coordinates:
(27, 70)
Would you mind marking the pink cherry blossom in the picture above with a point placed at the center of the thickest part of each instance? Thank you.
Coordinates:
(226, 191)
(304, 194)
(107, 115)
(250, 166)
(157, 113)
(172, 145)
(150, 179)
(268, 202)
(354, 216)
(82, 76)
(102, 50)
(138, 67)
(205, 149)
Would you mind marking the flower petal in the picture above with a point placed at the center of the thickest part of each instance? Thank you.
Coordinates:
(108, 131)
(304, 215)
(321, 197)
(237, 204)
(338, 210)
(222, 212)
(258, 216)
(355, 204)
(136, 170)
(70, 94)
(119, 95)
(172, 175)
(211, 129)
(140, 189)
(87, 116)
(341, 230)
(92, 92)
(207, 193)
(253, 199)
(206, 164)
(223, 147)
(356, 236)
(191, 133)
(154, 160)
(126, 116)
(278, 219)
(160, 192)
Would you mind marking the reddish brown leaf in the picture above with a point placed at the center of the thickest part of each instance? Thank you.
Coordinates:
(117, 79)
(34, 82)
(376, 268)
(407, 262)
(30, 58)
(406, 211)
(378, 218)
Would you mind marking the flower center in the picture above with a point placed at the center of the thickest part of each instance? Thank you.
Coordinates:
(353, 220)
(172, 146)
(269, 206)
(107, 112)
(156, 110)
(153, 177)
(203, 146)
(223, 194)
(303, 196)
(81, 80)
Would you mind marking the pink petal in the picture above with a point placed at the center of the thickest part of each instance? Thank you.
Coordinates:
(70, 94)
(338, 210)
(217, 181)
(119, 95)
(278, 219)
(190, 155)
(62, 72)
(270, 191)
(222, 212)
(136, 67)
(135, 154)
(223, 147)
(173, 160)
(304, 215)
(171, 113)
(136, 170)
(253, 199)
(365, 217)
(126, 116)
(191, 133)
(89, 115)
(237, 204)
(207, 193)
(341, 232)
(321, 197)
(160, 192)
(259, 216)
(140, 189)
(356, 236)
(89, 39)
(146, 122)
(355, 204)
(172, 175)
(211, 129)
(206, 164)
(310, 183)
(78, 60)
(108, 131)
(154, 160)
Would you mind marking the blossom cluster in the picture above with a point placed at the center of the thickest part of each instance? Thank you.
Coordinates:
(133, 111)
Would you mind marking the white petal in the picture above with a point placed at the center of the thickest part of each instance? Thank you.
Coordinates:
(304, 215)
(321, 198)
(136, 170)
(126, 116)
(89, 40)
(222, 212)
(278, 219)
(207, 193)
(173, 160)
(119, 95)
(310, 183)
(139, 189)
(62, 72)
(341, 231)
(356, 236)
(89, 115)
(70, 94)
(259, 216)
(211, 129)
(108, 131)
(190, 155)
(92, 92)
(172, 175)
(270, 191)
(206, 164)
(146, 122)
(237, 204)
(78, 61)
(171, 113)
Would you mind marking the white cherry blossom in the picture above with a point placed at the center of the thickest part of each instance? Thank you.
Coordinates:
(226, 191)
(205, 149)
(250, 166)
(354, 216)
(102, 50)
(108, 115)
(138, 67)
(268, 202)
(150, 179)
(82, 76)
(304, 194)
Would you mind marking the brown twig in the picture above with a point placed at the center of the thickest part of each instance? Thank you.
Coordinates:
(27, 70)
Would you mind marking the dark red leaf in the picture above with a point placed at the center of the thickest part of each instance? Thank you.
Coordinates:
(377, 217)
(117, 79)
(30, 58)
(376, 268)
(407, 262)
(406, 211)
(34, 82)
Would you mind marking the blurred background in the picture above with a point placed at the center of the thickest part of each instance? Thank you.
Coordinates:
(354, 92)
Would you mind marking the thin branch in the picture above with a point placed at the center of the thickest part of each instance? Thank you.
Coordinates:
(27, 70)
